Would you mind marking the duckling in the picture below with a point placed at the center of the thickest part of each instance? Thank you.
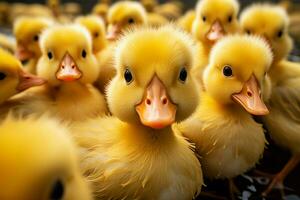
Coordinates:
(70, 67)
(101, 10)
(27, 31)
(96, 27)
(135, 154)
(186, 21)
(123, 15)
(13, 78)
(214, 19)
(229, 142)
(8, 43)
(171, 10)
(39, 161)
(271, 23)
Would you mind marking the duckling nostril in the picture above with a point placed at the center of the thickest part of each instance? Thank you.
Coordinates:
(164, 101)
(148, 102)
(249, 94)
(73, 66)
(63, 66)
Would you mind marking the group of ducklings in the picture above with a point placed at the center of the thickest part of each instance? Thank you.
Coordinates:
(121, 108)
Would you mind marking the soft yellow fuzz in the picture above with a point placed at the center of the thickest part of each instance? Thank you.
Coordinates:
(25, 30)
(126, 160)
(75, 100)
(96, 27)
(227, 139)
(268, 20)
(122, 11)
(10, 66)
(34, 155)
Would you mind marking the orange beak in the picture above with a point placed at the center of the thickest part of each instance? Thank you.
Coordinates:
(216, 32)
(28, 80)
(22, 53)
(113, 32)
(250, 98)
(68, 70)
(156, 110)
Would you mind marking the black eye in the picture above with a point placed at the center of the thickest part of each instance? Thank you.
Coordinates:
(50, 55)
(227, 71)
(83, 53)
(36, 38)
(96, 34)
(57, 191)
(2, 76)
(183, 75)
(204, 18)
(130, 21)
(128, 76)
(230, 18)
(280, 33)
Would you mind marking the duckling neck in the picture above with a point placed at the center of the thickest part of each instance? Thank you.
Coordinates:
(69, 90)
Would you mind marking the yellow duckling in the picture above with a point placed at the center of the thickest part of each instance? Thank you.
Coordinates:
(186, 21)
(70, 67)
(137, 154)
(38, 161)
(8, 43)
(123, 15)
(13, 78)
(214, 19)
(101, 10)
(228, 141)
(96, 27)
(271, 22)
(27, 31)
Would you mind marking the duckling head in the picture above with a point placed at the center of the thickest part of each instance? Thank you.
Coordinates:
(214, 19)
(13, 78)
(96, 27)
(67, 56)
(239, 79)
(38, 161)
(270, 22)
(123, 15)
(27, 31)
(153, 85)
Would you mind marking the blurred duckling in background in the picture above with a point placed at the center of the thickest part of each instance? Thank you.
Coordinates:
(186, 21)
(70, 67)
(137, 154)
(38, 161)
(214, 19)
(13, 78)
(171, 10)
(8, 43)
(27, 31)
(271, 22)
(96, 27)
(228, 140)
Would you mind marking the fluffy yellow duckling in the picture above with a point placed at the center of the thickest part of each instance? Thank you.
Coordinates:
(171, 10)
(123, 15)
(27, 31)
(101, 10)
(70, 67)
(214, 19)
(96, 27)
(271, 22)
(137, 154)
(228, 141)
(13, 78)
(38, 161)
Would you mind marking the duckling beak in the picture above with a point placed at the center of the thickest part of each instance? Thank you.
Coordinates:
(68, 70)
(216, 32)
(250, 98)
(28, 80)
(22, 53)
(113, 32)
(156, 109)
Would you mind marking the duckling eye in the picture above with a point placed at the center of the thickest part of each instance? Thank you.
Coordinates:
(36, 38)
(128, 76)
(227, 71)
(2, 76)
(50, 55)
(130, 20)
(96, 34)
(280, 33)
(230, 18)
(57, 191)
(204, 18)
(183, 75)
(83, 53)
